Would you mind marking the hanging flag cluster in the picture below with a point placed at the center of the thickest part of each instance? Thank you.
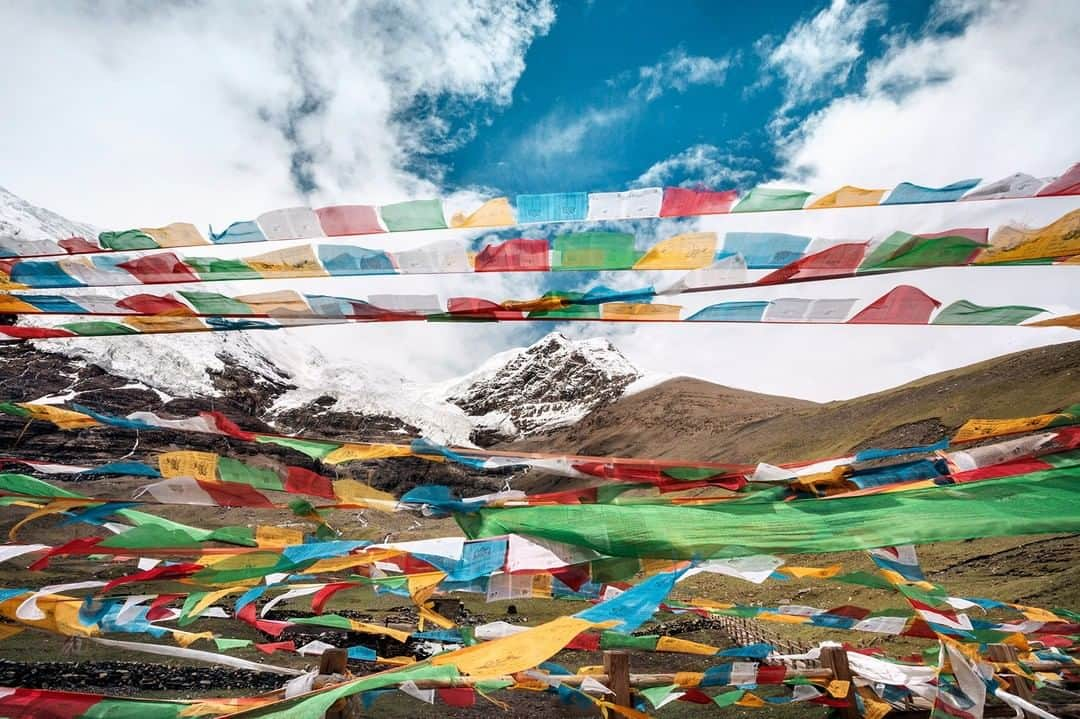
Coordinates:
(619, 539)
(790, 257)
(653, 202)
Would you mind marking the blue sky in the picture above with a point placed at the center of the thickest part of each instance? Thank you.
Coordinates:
(144, 112)
(591, 60)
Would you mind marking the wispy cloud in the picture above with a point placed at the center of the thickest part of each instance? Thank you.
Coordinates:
(816, 57)
(702, 164)
(225, 109)
(678, 71)
(987, 99)
(564, 132)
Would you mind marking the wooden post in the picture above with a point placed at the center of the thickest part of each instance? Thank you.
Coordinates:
(617, 668)
(835, 658)
(335, 661)
(1019, 685)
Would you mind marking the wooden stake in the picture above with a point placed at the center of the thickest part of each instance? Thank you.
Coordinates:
(617, 668)
(335, 661)
(835, 658)
(1019, 685)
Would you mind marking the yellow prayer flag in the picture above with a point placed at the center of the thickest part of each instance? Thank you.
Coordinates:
(166, 324)
(517, 652)
(686, 680)
(15, 305)
(61, 615)
(975, 429)
(541, 586)
(750, 700)
(9, 630)
(813, 572)
(350, 452)
(365, 628)
(689, 251)
(838, 688)
(1066, 321)
(177, 234)
(848, 196)
(349, 491)
(62, 418)
(282, 302)
(186, 639)
(640, 311)
(292, 262)
(1060, 238)
(684, 646)
(493, 213)
(783, 618)
(873, 706)
(428, 614)
(267, 535)
(198, 465)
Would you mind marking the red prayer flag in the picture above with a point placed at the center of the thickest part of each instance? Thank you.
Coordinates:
(159, 606)
(835, 261)
(268, 626)
(585, 642)
(154, 305)
(481, 308)
(324, 594)
(518, 255)
(159, 269)
(45, 704)
(767, 674)
(227, 427)
(342, 220)
(1067, 184)
(681, 201)
(169, 571)
(458, 696)
(271, 647)
(304, 481)
(78, 245)
(905, 305)
(235, 494)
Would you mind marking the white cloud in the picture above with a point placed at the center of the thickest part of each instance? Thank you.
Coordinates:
(988, 101)
(563, 133)
(143, 113)
(699, 165)
(678, 71)
(817, 55)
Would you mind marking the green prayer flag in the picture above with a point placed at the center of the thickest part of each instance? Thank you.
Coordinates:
(98, 328)
(726, 699)
(216, 268)
(618, 640)
(32, 486)
(211, 303)
(232, 470)
(415, 215)
(656, 695)
(109, 708)
(127, 240)
(761, 199)
(902, 249)
(593, 251)
(312, 448)
(1041, 502)
(963, 312)
(224, 644)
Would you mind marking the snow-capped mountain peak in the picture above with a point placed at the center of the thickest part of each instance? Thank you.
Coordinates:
(552, 383)
(280, 378)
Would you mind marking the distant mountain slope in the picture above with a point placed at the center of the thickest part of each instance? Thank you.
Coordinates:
(692, 419)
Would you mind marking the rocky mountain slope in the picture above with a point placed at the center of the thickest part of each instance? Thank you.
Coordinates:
(691, 419)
